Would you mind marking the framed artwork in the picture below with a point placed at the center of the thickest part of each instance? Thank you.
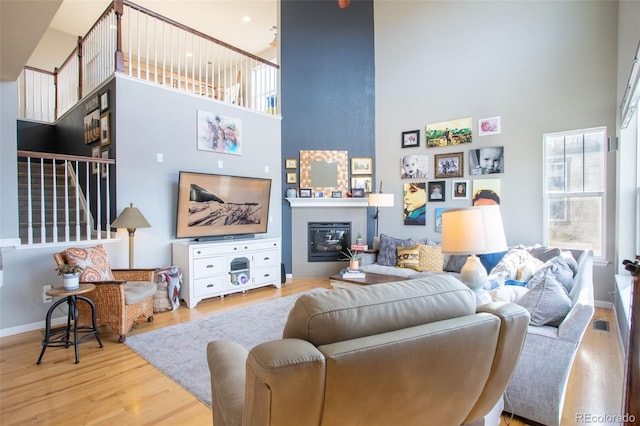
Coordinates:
(305, 192)
(105, 134)
(324, 171)
(415, 166)
(411, 139)
(319, 194)
(95, 153)
(460, 190)
(104, 101)
(436, 190)
(361, 166)
(290, 163)
(219, 133)
(357, 192)
(485, 161)
(92, 127)
(103, 170)
(364, 182)
(415, 203)
(92, 104)
(447, 133)
(336, 194)
(489, 126)
(486, 192)
(448, 165)
(292, 177)
(438, 218)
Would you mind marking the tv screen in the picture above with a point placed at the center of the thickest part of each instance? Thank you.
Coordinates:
(219, 206)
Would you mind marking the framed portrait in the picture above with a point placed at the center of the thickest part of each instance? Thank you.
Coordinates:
(364, 182)
(336, 194)
(361, 166)
(415, 166)
(448, 165)
(104, 101)
(485, 161)
(319, 194)
(219, 133)
(460, 190)
(411, 139)
(415, 203)
(95, 153)
(357, 192)
(290, 163)
(305, 192)
(292, 177)
(92, 127)
(447, 133)
(105, 134)
(436, 190)
(488, 126)
(486, 192)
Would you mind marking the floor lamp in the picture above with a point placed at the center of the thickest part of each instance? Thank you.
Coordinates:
(377, 201)
(130, 218)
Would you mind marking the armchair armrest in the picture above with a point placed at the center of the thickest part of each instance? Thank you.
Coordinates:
(135, 274)
(227, 362)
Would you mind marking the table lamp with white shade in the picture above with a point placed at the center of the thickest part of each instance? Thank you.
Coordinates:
(130, 218)
(471, 231)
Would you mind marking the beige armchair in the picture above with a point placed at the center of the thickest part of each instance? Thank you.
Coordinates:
(120, 302)
(415, 352)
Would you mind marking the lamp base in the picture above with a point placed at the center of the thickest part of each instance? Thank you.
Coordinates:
(473, 273)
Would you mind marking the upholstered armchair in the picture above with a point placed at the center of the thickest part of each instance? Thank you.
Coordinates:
(121, 296)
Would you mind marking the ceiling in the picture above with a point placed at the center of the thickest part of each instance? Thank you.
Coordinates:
(46, 43)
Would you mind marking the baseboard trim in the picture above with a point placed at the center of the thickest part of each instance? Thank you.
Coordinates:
(40, 325)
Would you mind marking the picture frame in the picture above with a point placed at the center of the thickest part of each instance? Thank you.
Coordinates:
(290, 163)
(103, 170)
(105, 133)
(411, 139)
(104, 101)
(364, 182)
(414, 166)
(357, 192)
(448, 165)
(489, 126)
(218, 133)
(414, 203)
(292, 177)
(447, 133)
(95, 153)
(305, 193)
(436, 191)
(336, 194)
(460, 190)
(438, 218)
(361, 166)
(92, 127)
(487, 160)
(319, 194)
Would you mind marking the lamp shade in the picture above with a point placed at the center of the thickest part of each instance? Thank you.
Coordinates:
(130, 218)
(473, 230)
(380, 200)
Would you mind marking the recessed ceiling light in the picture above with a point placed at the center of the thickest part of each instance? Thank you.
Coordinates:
(246, 19)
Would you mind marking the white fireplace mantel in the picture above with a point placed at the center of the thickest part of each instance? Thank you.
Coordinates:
(328, 202)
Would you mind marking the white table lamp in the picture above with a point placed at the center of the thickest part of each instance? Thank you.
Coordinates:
(471, 231)
(130, 218)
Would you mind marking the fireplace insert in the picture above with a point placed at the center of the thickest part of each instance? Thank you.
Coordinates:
(326, 240)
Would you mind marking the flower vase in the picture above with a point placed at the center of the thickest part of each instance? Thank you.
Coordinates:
(71, 281)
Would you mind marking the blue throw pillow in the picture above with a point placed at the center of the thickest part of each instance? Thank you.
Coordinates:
(490, 260)
(515, 282)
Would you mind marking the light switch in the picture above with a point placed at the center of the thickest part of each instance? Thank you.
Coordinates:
(266, 169)
(220, 164)
(159, 157)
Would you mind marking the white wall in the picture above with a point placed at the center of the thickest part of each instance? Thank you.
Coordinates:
(542, 66)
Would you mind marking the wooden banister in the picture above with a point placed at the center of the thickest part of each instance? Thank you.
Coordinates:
(50, 156)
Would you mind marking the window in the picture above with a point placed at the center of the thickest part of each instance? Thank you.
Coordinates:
(574, 182)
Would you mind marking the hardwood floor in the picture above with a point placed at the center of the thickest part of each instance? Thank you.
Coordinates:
(113, 385)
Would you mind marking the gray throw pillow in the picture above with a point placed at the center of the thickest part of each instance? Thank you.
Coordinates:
(561, 270)
(387, 253)
(547, 302)
(544, 253)
(456, 262)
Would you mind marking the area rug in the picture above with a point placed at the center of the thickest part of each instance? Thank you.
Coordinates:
(179, 351)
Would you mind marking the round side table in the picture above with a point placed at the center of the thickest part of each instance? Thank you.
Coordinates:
(68, 335)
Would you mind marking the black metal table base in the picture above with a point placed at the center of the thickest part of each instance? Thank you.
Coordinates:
(71, 334)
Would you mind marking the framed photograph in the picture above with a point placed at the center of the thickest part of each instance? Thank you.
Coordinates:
(486, 192)
(95, 153)
(411, 139)
(364, 182)
(104, 166)
(292, 177)
(336, 194)
(438, 219)
(105, 134)
(219, 133)
(448, 165)
(290, 163)
(485, 161)
(104, 101)
(357, 192)
(447, 133)
(436, 190)
(489, 126)
(460, 190)
(415, 203)
(361, 166)
(415, 166)
(305, 192)
(319, 194)
(92, 127)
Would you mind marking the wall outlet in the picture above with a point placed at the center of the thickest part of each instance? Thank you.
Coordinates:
(45, 298)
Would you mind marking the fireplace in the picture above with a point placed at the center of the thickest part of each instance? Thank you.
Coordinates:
(326, 240)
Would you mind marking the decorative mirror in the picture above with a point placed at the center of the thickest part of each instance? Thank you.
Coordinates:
(324, 171)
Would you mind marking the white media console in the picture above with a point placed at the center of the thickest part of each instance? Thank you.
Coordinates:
(222, 267)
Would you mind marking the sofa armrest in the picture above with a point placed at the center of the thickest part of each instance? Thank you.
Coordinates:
(134, 274)
(575, 323)
(227, 362)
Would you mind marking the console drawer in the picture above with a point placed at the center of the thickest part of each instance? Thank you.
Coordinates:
(267, 258)
(209, 286)
(267, 275)
(209, 266)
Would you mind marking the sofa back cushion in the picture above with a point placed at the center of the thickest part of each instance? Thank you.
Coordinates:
(334, 316)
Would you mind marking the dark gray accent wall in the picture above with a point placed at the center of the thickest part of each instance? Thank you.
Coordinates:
(328, 74)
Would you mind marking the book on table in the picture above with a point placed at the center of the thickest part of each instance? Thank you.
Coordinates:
(352, 273)
(359, 247)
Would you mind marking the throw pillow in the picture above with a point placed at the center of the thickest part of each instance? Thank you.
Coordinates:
(490, 260)
(93, 260)
(456, 262)
(408, 258)
(547, 302)
(544, 253)
(559, 267)
(431, 258)
(387, 253)
(507, 267)
(508, 293)
(527, 268)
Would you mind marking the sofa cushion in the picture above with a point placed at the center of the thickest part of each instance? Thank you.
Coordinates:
(334, 316)
(408, 257)
(388, 245)
(135, 291)
(93, 260)
(547, 302)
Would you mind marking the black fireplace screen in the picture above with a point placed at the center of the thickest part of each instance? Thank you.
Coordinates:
(327, 240)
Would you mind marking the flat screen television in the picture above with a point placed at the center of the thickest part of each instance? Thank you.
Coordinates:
(221, 206)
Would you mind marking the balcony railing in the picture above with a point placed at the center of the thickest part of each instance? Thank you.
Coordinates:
(130, 39)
